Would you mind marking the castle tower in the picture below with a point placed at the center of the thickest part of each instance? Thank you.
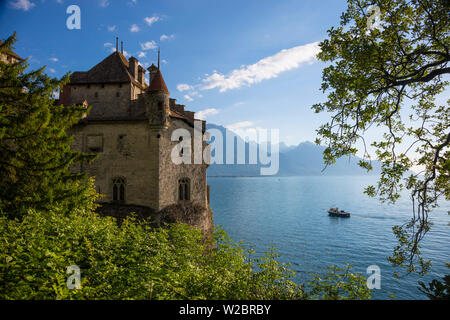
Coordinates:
(158, 104)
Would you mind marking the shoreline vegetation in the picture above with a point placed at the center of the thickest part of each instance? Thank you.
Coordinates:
(136, 261)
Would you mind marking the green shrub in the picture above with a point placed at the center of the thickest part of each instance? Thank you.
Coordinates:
(132, 261)
(339, 284)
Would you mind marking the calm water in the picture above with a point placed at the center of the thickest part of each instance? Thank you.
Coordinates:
(291, 214)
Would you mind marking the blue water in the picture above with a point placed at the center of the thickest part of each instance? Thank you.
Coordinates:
(291, 214)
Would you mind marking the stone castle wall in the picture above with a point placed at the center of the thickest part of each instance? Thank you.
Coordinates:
(107, 100)
(170, 173)
(128, 150)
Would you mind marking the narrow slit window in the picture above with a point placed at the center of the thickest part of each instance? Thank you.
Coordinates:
(184, 192)
(118, 189)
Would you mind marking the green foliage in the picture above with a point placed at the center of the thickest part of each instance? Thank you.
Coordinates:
(35, 142)
(389, 77)
(132, 261)
(437, 290)
(339, 284)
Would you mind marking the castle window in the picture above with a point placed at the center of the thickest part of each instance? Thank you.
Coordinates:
(103, 85)
(88, 86)
(118, 189)
(117, 94)
(184, 189)
(94, 143)
(96, 94)
(160, 106)
(120, 85)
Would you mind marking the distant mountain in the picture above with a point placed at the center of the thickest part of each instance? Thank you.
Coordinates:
(283, 147)
(307, 159)
(304, 159)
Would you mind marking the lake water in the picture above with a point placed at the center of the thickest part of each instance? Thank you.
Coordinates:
(291, 214)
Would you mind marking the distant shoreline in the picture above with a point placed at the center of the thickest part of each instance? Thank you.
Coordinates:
(292, 176)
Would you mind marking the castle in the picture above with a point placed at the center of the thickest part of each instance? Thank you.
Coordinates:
(130, 127)
(9, 56)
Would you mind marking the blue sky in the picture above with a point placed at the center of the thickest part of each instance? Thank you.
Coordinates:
(240, 64)
(197, 39)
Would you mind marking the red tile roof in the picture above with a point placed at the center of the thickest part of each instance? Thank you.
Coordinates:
(158, 83)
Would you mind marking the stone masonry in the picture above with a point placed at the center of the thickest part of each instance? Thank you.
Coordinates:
(129, 126)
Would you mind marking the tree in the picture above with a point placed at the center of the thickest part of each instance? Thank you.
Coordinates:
(377, 73)
(35, 143)
(437, 290)
(339, 284)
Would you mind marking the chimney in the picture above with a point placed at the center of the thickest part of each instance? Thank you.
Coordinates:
(121, 47)
(117, 44)
(152, 72)
(141, 75)
(133, 67)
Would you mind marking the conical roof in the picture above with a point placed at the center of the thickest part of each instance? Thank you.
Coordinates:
(158, 83)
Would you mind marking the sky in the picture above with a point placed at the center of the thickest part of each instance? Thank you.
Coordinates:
(236, 63)
(239, 64)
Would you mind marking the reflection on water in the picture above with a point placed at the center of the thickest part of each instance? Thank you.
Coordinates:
(291, 214)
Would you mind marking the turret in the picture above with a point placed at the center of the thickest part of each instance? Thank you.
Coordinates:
(158, 104)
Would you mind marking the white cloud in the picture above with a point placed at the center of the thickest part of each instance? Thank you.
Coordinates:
(112, 28)
(151, 20)
(188, 98)
(267, 68)
(134, 28)
(107, 44)
(103, 3)
(184, 87)
(166, 37)
(239, 125)
(53, 59)
(148, 45)
(52, 70)
(22, 4)
(141, 54)
(204, 113)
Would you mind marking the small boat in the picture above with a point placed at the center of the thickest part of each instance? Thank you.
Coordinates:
(335, 212)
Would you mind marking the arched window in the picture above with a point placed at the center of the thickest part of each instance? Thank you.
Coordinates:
(184, 189)
(118, 189)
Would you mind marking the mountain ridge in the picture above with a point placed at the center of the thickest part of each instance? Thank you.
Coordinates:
(304, 159)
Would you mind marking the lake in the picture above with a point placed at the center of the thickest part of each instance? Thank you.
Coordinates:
(290, 213)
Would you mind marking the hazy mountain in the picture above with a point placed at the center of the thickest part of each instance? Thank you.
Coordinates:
(301, 160)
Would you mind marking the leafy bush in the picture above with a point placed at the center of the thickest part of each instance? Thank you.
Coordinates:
(339, 284)
(132, 261)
